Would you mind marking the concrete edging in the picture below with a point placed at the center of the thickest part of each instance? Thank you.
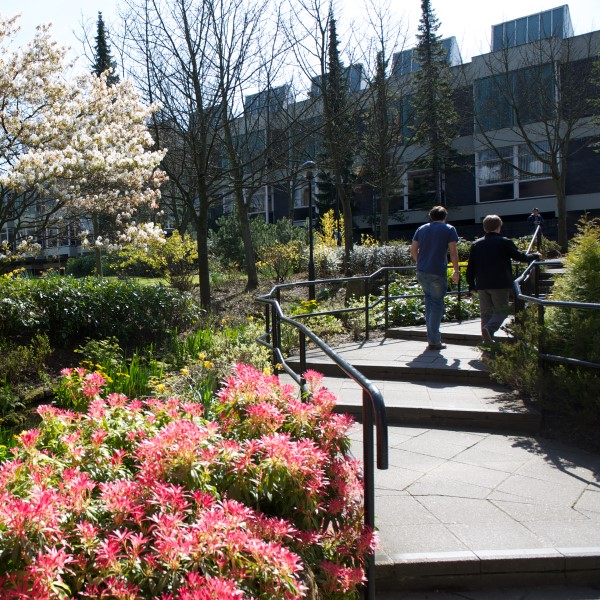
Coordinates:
(486, 568)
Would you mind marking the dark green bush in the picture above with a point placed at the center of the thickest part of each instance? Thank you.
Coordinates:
(576, 332)
(70, 309)
(226, 240)
(85, 265)
(18, 361)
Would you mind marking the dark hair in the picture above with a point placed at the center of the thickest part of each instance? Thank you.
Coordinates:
(438, 213)
(491, 223)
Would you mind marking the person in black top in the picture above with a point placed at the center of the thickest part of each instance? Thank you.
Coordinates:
(489, 271)
(535, 219)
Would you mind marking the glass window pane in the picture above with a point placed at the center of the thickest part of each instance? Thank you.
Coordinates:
(546, 24)
(521, 35)
(510, 34)
(533, 28)
(558, 22)
(493, 193)
(497, 37)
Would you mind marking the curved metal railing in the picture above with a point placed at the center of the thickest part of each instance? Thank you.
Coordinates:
(373, 407)
(526, 288)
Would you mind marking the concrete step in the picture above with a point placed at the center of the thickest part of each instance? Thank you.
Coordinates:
(441, 404)
(403, 360)
(488, 569)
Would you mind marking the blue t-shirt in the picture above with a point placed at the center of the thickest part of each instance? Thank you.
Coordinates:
(433, 241)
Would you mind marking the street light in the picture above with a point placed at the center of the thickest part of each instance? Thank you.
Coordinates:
(308, 167)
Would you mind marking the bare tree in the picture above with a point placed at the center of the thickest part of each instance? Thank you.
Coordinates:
(388, 147)
(532, 113)
(197, 58)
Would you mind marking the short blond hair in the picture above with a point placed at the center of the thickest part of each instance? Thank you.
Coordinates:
(491, 223)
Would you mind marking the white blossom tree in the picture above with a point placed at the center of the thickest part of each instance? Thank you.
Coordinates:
(76, 141)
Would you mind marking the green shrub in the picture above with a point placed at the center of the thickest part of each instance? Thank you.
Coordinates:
(280, 260)
(226, 239)
(576, 332)
(516, 364)
(71, 309)
(18, 361)
(365, 260)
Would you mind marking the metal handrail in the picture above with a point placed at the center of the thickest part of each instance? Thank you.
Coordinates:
(366, 308)
(542, 303)
(373, 410)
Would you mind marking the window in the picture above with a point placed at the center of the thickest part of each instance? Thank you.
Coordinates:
(495, 175)
(492, 106)
(526, 93)
(534, 164)
(534, 171)
(420, 189)
(492, 168)
(498, 179)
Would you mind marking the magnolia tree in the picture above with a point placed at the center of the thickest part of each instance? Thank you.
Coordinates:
(78, 141)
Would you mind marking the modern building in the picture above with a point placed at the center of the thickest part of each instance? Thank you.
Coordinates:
(525, 128)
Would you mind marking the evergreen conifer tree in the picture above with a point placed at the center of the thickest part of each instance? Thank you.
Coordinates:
(436, 117)
(339, 132)
(103, 59)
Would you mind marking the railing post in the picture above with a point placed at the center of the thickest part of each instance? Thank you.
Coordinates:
(386, 301)
(302, 353)
(274, 333)
(458, 298)
(268, 322)
(367, 292)
(369, 488)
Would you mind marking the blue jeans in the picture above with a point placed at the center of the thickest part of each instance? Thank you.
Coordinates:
(434, 288)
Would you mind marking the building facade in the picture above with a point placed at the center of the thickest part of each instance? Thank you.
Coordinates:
(525, 137)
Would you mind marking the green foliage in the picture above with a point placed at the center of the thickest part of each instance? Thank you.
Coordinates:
(280, 260)
(105, 353)
(226, 240)
(85, 266)
(464, 248)
(18, 361)
(575, 332)
(516, 364)
(365, 260)
(222, 344)
(9, 400)
(70, 309)
(175, 257)
(549, 248)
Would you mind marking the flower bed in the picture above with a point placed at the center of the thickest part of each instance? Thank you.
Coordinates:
(158, 499)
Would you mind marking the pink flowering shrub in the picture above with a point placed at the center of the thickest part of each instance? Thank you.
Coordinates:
(150, 499)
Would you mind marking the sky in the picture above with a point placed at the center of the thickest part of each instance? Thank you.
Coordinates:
(470, 21)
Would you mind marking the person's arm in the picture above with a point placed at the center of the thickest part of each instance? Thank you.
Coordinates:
(454, 260)
(414, 250)
(516, 254)
(471, 269)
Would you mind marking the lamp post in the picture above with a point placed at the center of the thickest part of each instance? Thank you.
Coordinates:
(308, 167)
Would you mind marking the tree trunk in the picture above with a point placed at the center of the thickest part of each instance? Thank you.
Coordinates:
(561, 212)
(203, 269)
(242, 211)
(97, 249)
(384, 217)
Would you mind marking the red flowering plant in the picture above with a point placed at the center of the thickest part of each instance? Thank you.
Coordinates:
(156, 499)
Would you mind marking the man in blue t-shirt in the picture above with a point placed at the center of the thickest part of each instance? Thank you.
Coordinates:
(429, 249)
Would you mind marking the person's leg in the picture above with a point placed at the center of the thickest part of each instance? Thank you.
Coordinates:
(500, 309)
(486, 307)
(434, 289)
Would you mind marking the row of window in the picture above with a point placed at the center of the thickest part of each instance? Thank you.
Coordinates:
(508, 173)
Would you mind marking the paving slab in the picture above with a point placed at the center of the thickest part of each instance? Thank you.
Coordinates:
(473, 499)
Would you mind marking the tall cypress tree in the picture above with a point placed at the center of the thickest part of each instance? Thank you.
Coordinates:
(339, 132)
(436, 117)
(103, 59)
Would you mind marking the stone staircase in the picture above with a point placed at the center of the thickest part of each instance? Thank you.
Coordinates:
(474, 497)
